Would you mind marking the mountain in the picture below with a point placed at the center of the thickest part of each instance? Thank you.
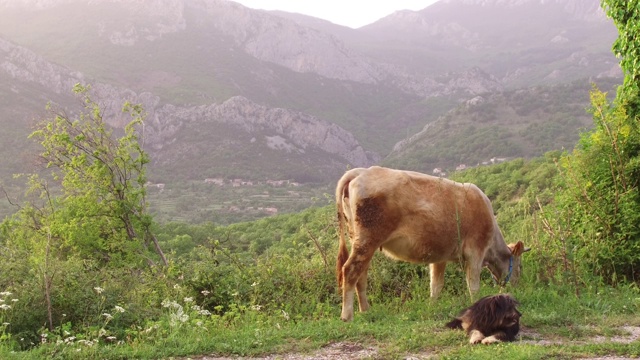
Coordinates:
(166, 124)
(234, 92)
(521, 42)
(501, 126)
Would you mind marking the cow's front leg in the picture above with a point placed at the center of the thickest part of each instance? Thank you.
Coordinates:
(352, 271)
(473, 269)
(436, 274)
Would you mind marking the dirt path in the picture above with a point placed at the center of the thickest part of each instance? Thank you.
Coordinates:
(349, 350)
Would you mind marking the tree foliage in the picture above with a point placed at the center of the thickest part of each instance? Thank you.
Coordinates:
(602, 175)
(626, 16)
(601, 196)
(101, 212)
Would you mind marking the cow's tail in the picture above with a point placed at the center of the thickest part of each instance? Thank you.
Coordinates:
(342, 192)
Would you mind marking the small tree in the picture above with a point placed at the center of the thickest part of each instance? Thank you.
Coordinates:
(102, 212)
(88, 217)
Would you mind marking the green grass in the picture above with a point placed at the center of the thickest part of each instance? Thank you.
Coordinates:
(396, 329)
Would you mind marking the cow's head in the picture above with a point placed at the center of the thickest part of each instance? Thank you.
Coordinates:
(517, 250)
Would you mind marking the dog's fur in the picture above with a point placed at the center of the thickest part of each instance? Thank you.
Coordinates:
(491, 319)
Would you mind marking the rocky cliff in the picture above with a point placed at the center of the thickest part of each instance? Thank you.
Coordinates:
(164, 121)
(260, 34)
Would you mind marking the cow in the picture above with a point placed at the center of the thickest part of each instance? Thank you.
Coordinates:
(420, 219)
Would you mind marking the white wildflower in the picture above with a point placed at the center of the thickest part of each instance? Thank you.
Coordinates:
(107, 316)
(204, 312)
(6, 293)
(119, 309)
(286, 316)
(176, 286)
(98, 289)
(205, 292)
(5, 307)
(154, 327)
(14, 300)
(86, 342)
(195, 307)
(178, 316)
(256, 307)
(111, 338)
(188, 299)
(255, 283)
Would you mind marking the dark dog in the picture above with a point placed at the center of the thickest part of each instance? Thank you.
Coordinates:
(491, 319)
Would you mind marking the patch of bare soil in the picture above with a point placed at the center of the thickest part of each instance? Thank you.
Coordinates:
(335, 351)
(632, 333)
(347, 350)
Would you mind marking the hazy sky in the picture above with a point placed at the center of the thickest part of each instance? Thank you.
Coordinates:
(352, 13)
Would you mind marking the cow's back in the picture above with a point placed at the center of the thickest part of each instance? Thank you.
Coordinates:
(417, 217)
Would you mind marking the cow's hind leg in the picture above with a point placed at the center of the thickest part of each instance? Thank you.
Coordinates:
(354, 274)
(361, 290)
(436, 274)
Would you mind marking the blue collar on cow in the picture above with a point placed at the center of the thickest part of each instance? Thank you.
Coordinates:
(506, 280)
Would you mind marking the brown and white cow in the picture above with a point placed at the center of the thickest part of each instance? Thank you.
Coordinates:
(420, 219)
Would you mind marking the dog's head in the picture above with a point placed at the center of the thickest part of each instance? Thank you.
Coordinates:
(495, 312)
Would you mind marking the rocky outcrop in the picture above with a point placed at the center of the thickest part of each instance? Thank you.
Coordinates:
(164, 121)
(24, 65)
(284, 42)
(301, 130)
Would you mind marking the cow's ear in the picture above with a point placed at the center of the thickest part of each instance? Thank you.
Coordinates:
(518, 249)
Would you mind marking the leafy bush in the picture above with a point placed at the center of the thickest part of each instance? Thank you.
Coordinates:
(602, 194)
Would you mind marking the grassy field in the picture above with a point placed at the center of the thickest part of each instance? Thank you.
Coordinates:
(556, 324)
